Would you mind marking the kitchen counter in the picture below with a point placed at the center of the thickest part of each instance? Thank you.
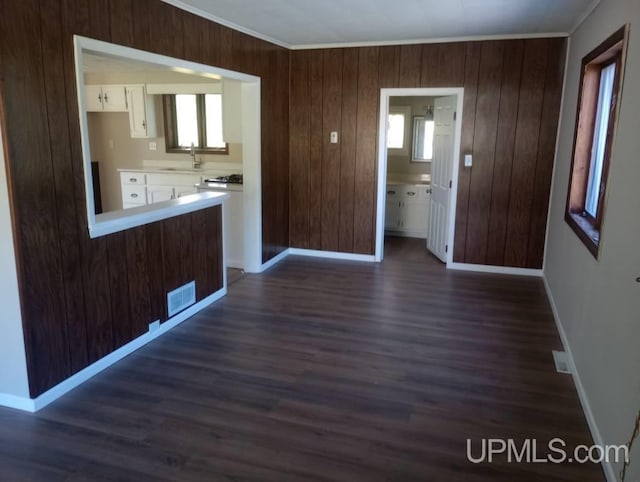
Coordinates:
(218, 186)
(397, 179)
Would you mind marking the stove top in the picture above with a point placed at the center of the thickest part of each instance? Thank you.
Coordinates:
(230, 179)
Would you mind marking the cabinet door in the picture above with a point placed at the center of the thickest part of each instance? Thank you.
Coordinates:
(392, 215)
(133, 195)
(184, 191)
(93, 98)
(136, 99)
(113, 98)
(156, 194)
(415, 211)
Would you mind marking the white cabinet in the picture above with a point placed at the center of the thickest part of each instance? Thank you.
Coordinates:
(105, 98)
(407, 210)
(141, 112)
(134, 190)
(163, 187)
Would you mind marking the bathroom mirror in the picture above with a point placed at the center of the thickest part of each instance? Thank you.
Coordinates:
(422, 150)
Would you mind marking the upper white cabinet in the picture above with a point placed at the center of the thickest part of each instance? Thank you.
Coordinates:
(141, 111)
(105, 98)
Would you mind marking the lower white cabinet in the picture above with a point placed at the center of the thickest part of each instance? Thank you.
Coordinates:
(139, 189)
(407, 210)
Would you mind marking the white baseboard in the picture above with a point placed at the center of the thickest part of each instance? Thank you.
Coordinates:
(484, 268)
(275, 260)
(19, 403)
(33, 405)
(332, 255)
(608, 468)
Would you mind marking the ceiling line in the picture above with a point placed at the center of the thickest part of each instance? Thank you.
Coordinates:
(473, 38)
(202, 13)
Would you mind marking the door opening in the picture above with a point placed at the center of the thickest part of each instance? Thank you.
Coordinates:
(419, 139)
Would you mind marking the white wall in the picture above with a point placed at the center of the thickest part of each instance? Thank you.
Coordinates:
(598, 301)
(13, 363)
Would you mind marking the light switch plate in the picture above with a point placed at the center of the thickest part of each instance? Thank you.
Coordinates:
(468, 160)
(334, 137)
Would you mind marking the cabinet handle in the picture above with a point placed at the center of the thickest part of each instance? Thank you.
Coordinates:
(411, 193)
(134, 195)
(100, 98)
(144, 124)
(391, 192)
(106, 98)
(133, 179)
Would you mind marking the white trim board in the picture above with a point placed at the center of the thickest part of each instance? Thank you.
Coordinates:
(275, 260)
(314, 253)
(438, 40)
(608, 468)
(485, 268)
(385, 95)
(33, 405)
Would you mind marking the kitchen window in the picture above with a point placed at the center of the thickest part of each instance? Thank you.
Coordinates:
(194, 119)
(598, 105)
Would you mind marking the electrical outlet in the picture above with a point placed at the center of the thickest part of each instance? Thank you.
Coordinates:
(468, 160)
(112, 144)
(334, 137)
(153, 146)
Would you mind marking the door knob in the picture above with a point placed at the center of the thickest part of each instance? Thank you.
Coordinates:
(638, 279)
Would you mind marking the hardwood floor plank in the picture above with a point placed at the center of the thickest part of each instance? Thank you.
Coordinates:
(323, 370)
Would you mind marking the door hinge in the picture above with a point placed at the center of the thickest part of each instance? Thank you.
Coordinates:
(455, 115)
(446, 248)
(450, 184)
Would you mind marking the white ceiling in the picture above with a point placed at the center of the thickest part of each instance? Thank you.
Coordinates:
(312, 23)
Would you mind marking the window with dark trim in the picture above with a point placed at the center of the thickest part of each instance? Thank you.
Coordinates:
(598, 104)
(194, 119)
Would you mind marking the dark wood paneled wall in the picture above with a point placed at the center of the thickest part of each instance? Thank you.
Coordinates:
(511, 107)
(82, 298)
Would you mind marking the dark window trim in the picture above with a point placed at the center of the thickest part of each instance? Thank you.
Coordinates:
(612, 50)
(171, 131)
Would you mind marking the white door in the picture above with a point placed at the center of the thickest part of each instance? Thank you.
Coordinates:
(441, 171)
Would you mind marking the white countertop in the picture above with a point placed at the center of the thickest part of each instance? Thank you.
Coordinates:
(114, 221)
(219, 186)
(397, 178)
(173, 170)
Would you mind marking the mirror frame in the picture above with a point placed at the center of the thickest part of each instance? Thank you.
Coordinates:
(414, 125)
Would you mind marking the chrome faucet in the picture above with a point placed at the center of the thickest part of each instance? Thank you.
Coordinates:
(195, 163)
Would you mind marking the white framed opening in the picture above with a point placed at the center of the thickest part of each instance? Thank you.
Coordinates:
(114, 221)
(385, 95)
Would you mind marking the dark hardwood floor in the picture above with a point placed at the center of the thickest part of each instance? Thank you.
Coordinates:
(322, 370)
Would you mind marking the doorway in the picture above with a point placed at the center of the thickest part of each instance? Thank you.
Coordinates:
(419, 139)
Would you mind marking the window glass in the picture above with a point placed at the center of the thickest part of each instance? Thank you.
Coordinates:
(213, 115)
(607, 77)
(395, 134)
(187, 119)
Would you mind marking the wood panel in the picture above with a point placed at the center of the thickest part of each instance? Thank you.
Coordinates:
(367, 119)
(315, 149)
(505, 141)
(502, 137)
(120, 319)
(84, 297)
(64, 177)
(300, 148)
(410, 66)
(35, 228)
(121, 22)
(546, 151)
(472, 69)
(525, 156)
(484, 146)
(331, 122)
(349, 135)
(264, 386)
